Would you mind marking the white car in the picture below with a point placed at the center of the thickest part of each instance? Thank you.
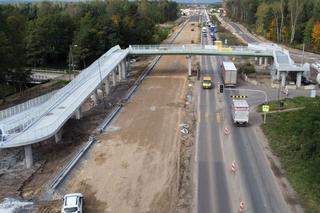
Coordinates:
(72, 203)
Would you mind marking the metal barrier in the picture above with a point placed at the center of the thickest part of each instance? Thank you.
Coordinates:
(25, 106)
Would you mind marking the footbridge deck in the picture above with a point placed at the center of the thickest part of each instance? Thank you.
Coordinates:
(28, 125)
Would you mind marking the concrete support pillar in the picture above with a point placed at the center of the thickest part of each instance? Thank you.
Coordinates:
(266, 61)
(299, 76)
(28, 159)
(127, 67)
(107, 86)
(94, 97)
(260, 60)
(58, 136)
(78, 113)
(278, 75)
(114, 80)
(119, 68)
(189, 65)
(283, 79)
(124, 69)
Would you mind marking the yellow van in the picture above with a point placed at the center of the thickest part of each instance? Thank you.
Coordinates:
(206, 82)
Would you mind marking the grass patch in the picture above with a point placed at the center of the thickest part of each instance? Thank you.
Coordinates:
(290, 103)
(295, 138)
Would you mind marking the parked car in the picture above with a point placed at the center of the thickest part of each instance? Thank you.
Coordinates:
(305, 81)
(72, 203)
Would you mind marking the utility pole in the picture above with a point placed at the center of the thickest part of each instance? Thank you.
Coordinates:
(71, 60)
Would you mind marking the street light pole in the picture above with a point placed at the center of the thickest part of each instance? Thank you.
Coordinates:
(71, 61)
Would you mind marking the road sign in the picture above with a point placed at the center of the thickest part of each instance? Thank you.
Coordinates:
(265, 108)
(239, 96)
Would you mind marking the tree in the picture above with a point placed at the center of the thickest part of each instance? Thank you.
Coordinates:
(316, 36)
(295, 7)
(48, 40)
(262, 17)
(308, 32)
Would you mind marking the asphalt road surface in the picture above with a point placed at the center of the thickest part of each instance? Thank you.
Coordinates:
(295, 53)
(253, 182)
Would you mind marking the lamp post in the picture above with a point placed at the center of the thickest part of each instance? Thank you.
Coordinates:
(71, 61)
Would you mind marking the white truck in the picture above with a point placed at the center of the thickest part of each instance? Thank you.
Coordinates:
(204, 30)
(240, 112)
(229, 73)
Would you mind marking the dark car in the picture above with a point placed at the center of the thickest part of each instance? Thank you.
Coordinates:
(305, 81)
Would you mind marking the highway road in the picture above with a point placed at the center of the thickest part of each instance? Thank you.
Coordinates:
(249, 38)
(219, 190)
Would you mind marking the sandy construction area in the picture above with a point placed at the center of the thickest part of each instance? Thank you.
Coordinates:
(135, 165)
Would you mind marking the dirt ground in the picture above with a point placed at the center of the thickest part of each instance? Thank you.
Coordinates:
(135, 165)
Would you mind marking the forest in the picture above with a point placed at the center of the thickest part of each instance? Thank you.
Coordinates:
(290, 22)
(47, 34)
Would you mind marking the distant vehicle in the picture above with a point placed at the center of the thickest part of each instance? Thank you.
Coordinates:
(204, 30)
(305, 81)
(207, 82)
(229, 73)
(72, 203)
(240, 112)
(213, 29)
(213, 36)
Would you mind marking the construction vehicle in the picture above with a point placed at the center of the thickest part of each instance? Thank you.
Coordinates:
(240, 112)
(207, 82)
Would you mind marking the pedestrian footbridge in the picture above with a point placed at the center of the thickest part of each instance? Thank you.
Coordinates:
(28, 123)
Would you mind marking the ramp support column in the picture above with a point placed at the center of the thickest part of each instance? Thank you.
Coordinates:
(114, 80)
(299, 76)
(260, 60)
(28, 159)
(189, 65)
(58, 136)
(107, 86)
(78, 113)
(283, 79)
(119, 68)
(124, 69)
(266, 61)
(94, 97)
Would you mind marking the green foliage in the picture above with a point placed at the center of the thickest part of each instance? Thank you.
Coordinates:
(161, 34)
(285, 21)
(47, 34)
(295, 138)
(246, 68)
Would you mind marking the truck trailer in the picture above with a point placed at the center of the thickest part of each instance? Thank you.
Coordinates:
(240, 112)
(229, 73)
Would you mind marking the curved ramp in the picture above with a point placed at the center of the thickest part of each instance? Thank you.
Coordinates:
(44, 121)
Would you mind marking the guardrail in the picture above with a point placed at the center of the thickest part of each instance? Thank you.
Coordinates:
(25, 106)
(196, 49)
